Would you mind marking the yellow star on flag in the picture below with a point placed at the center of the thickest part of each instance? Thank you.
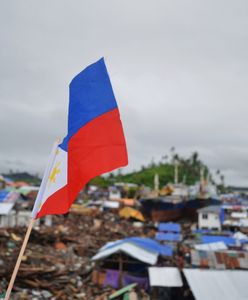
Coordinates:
(53, 175)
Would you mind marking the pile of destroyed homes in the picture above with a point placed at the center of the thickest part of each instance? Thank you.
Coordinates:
(105, 248)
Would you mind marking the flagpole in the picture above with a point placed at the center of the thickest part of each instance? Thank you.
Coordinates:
(19, 259)
(36, 207)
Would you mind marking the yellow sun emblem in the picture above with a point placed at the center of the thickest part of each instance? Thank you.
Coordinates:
(54, 173)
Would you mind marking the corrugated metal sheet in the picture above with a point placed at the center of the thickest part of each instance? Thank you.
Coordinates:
(219, 259)
(165, 276)
(211, 246)
(217, 285)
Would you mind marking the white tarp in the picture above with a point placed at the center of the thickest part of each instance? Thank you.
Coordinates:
(211, 246)
(217, 284)
(131, 250)
(168, 277)
(5, 208)
(240, 236)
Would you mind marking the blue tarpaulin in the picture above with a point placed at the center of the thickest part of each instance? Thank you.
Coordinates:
(3, 195)
(207, 239)
(170, 227)
(161, 236)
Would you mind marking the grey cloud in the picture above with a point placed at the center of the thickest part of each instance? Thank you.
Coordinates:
(178, 68)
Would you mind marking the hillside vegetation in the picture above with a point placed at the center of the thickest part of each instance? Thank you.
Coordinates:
(189, 170)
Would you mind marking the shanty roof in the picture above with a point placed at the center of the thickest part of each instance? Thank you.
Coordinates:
(5, 208)
(219, 259)
(8, 196)
(211, 246)
(170, 226)
(165, 276)
(210, 209)
(3, 195)
(143, 249)
(217, 284)
(207, 239)
(169, 236)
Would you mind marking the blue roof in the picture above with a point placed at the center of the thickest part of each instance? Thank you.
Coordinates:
(207, 239)
(161, 236)
(147, 244)
(3, 195)
(171, 227)
(210, 231)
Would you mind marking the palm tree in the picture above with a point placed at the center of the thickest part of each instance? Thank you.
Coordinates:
(222, 178)
(172, 151)
(195, 157)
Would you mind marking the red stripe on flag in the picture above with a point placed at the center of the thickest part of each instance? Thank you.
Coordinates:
(57, 203)
(97, 148)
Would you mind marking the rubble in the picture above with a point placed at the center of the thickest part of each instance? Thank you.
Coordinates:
(57, 262)
(65, 256)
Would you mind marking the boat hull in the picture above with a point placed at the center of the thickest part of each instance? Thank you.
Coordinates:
(160, 211)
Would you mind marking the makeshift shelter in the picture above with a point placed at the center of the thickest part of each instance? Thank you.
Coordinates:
(126, 261)
(169, 227)
(216, 284)
(128, 212)
(7, 215)
(7, 202)
(143, 249)
(219, 259)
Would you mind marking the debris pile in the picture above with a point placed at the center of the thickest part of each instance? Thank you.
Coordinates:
(57, 262)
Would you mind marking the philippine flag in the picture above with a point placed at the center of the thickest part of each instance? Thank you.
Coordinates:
(95, 143)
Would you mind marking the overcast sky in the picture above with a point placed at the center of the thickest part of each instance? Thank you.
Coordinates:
(179, 70)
